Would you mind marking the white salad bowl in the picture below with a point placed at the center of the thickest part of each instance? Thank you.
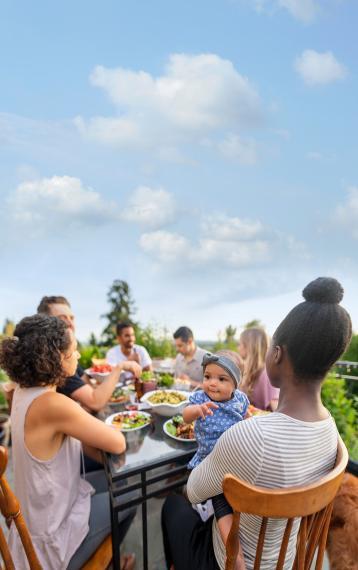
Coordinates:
(98, 376)
(166, 409)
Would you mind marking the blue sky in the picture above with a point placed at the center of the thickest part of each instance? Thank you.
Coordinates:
(203, 151)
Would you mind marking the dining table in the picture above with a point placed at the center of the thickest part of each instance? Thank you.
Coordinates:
(152, 465)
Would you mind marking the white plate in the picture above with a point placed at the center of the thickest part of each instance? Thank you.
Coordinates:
(174, 436)
(108, 421)
(99, 376)
(164, 409)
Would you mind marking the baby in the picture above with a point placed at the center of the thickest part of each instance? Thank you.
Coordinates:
(215, 408)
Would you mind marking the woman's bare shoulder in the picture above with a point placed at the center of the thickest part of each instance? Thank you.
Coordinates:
(51, 404)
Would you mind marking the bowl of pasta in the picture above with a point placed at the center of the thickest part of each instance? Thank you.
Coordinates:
(166, 403)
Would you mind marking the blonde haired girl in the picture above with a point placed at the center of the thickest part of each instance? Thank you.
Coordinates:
(253, 346)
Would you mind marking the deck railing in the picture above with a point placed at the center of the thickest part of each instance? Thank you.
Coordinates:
(348, 365)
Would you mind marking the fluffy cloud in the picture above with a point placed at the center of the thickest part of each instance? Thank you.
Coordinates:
(236, 149)
(347, 213)
(303, 10)
(196, 96)
(231, 229)
(319, 68)
(150, 207)
(60, 198)
(165, 246)
(227, 242)
(44, 202)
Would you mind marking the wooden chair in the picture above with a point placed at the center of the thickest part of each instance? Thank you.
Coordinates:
(102, 558)
(10, 509)
(312, 503)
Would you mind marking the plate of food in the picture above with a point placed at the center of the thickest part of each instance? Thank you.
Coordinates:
(99, 370)
(182, 384)
(120, 396)
(252, 411)
(177, 429)
(129, 420)
(166, 402)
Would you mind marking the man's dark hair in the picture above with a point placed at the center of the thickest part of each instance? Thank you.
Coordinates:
(32, 357)
(317, 331)
(184, 333)
(123, 325)
(46, 302)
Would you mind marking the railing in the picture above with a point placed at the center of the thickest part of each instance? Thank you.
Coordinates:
(349, 366)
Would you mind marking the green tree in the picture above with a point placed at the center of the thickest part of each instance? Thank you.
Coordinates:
(8, 328)
(341, 406)
(122, 308)
(253, 324)
(230, 333)
(157, 341)
(228, 342)
(351, 355)
(92, 341)
(352, 351)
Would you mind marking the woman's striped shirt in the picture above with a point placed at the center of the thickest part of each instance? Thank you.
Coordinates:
(273, 451)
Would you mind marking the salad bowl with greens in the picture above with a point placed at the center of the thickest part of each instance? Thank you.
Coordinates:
(179, 430)
(129, 421)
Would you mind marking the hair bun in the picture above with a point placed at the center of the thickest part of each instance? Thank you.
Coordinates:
(323, 290)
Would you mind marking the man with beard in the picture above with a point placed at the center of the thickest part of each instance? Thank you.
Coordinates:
(126, 349)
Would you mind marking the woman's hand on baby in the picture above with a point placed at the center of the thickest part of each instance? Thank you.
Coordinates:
(206, 409)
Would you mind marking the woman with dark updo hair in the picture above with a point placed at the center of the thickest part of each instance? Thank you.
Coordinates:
(295, 445)
(67, 520)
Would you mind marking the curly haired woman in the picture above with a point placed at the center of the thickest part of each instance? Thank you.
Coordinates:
(66, 518)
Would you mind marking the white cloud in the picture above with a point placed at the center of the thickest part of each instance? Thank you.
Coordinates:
(60, 198)
(231, 229)
(224, 242)
(197, 95)
(47, 203)
(165, 246)
(234, 254)
(347, 213)
(150, 207)
(319, 68)
(109, 130)
(303, 10)
(237, 149)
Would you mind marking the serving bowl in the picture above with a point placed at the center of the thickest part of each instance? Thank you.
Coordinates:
(166, 409)
(98, 376)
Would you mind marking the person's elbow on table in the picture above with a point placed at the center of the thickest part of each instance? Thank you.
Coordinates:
(117, 443)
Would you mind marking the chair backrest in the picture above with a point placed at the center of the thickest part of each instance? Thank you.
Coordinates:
(10, 509)
(311, 503)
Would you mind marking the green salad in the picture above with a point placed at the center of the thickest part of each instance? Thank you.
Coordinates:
(166, 380)
(130, 420)
(179, 429)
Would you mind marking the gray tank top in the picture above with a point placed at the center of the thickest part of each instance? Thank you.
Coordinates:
(54, 499)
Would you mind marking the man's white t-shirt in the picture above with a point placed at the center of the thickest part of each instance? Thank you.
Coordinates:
(115, 356)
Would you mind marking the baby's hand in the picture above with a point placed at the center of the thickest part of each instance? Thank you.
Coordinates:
(206, 409)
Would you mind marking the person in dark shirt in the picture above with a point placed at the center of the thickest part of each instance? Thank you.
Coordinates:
(73, 383)
(93, 399)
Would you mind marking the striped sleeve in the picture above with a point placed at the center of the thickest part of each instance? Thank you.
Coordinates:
(245, 438)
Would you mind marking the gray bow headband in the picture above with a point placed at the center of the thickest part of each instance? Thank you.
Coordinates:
(224, 363)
